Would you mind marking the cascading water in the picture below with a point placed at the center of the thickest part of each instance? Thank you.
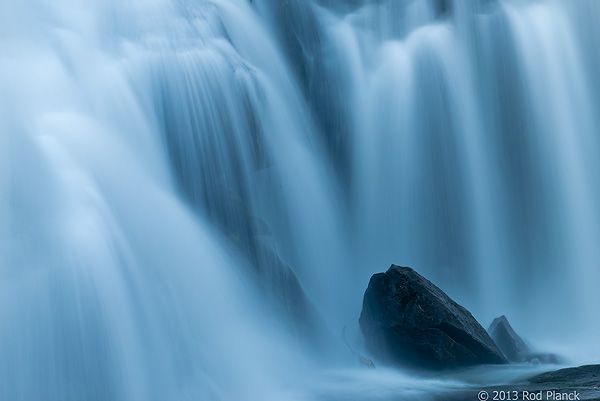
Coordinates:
(194, 194)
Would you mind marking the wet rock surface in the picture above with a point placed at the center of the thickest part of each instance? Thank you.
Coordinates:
(509, 342)
(408, 321)
(513, 346)
(578, 383)
(582, 377)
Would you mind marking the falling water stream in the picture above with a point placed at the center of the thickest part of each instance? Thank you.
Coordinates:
(194, 193)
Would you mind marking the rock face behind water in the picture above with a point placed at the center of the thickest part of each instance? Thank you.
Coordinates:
(408, 321)
(513, 346)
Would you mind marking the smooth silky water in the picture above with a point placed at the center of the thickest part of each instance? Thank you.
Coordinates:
(154, 154)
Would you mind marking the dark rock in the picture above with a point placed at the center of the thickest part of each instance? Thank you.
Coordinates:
(510, 343)
(513, 346)
(408, 321)
(582, 376)
(582, 383)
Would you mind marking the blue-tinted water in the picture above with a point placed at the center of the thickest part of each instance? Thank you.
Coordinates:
(194, 194)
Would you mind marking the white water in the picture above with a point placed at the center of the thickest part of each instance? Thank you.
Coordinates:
(141, 142)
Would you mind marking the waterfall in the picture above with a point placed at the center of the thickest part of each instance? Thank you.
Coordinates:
(194, 194)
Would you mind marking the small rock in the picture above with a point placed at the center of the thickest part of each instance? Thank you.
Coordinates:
(510, 343)
(513, 346)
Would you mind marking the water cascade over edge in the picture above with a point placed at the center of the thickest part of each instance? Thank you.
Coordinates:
(193, 195)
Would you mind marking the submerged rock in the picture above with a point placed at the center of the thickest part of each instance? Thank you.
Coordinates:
(513, 346)
(579, 383)
(408, 321)
(582, 376)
